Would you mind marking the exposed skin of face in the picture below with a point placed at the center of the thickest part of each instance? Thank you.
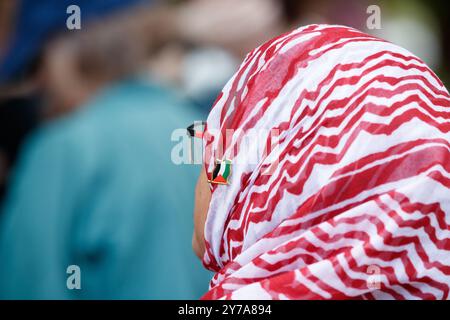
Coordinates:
(202, 199)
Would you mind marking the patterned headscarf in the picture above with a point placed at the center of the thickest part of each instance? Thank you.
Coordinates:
(344, 190)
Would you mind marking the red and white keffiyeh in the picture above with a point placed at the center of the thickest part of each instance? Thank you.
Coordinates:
(353, 199)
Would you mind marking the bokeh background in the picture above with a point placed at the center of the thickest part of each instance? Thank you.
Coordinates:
(86, 119)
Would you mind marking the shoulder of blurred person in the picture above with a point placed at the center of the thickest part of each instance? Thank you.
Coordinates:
(105, 172)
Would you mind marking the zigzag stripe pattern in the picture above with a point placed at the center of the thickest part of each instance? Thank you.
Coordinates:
(357, 205)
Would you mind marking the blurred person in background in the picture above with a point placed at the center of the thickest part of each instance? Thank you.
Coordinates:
(214, 35)
(94, 186)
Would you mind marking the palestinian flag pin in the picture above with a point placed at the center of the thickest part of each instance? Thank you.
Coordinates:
(222, 172)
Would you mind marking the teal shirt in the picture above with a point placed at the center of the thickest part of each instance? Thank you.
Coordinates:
(98, 189)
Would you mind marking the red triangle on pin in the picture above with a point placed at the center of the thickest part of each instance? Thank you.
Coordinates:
(219, 179)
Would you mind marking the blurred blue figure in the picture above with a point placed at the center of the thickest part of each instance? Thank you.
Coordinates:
(97, 189)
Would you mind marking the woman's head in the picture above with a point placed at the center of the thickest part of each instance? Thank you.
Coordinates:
(332, 136)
